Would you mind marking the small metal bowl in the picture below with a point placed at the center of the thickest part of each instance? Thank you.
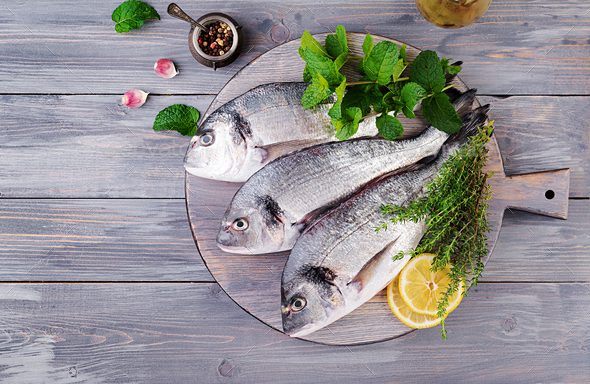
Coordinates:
(216, 61)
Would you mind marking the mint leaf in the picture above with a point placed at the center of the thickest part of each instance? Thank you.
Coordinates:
(307, 41)
(379, 66)
(340, 60)
(367, 48)
(132, 14)
(323, 65)
(402, 54)
(341, 35)
(337, 45)
(368, 45)
(453, 69)
(357, 97)
(411, 94)
(336, 112)
(361, 67)
(439, 112)
(307, 74)
(408, 111)
(396, 88)
(389, 127)
(376, 98)
(427, 71)
(178, 117)
(346, 129)
(333, 46)
(316, 92)
(398, 69)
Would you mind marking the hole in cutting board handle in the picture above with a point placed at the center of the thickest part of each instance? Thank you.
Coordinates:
(549, 194)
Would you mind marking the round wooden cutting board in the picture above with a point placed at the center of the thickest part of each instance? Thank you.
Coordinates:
(253, 281)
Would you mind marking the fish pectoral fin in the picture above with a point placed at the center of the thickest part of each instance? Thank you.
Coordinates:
(272, 151)
(260, 154)
(363, 277)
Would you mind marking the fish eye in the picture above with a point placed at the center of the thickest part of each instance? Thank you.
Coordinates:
(298, 304)
(240, 224)
(206, 139)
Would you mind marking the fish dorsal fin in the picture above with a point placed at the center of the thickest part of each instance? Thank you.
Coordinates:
(363, 277)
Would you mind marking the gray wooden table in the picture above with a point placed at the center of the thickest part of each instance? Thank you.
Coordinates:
(100, 277)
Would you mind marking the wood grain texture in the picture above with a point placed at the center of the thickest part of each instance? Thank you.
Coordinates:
(150, 240)
(517, 47)
(539, 134)
(176, 333)
(90, 146)
(258, 289)
(97, 240)
(536, 248)
(73, 146)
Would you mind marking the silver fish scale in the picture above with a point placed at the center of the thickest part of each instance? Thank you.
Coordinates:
(303, 181)
(344, 240)
(354, 261)
(279, 105)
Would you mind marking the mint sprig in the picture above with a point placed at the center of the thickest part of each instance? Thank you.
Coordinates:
(382, 66)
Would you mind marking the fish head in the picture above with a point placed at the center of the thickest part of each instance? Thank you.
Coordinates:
(310, 301)
(252, 225)
(218, 149)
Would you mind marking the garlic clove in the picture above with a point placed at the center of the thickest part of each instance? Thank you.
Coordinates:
(165, 68)
(134, 98)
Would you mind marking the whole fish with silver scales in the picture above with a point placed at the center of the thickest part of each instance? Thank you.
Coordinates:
(339, 262)
(269, 212)
(244, 134)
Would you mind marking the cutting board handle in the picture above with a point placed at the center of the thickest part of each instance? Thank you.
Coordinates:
(544, 193)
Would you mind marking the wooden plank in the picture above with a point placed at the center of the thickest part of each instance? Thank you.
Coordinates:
(97, 240)
(516, 48)
(90, 146)
(73, 146)
(150, 240)
(537, 134)
(537, 248)
(155, 333)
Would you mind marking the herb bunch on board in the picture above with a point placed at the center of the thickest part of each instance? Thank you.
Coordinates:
(455, 210)
(381, 65)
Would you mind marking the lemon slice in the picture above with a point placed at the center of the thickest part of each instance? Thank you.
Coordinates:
(421, 288)
(404, 313)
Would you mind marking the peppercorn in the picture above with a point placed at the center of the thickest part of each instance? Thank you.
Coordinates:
(217, 41)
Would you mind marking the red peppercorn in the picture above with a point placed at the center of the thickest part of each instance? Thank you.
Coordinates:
(213, 45)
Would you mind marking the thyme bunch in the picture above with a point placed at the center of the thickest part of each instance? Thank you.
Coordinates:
(455, 209)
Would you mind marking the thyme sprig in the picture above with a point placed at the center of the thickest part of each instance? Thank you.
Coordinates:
(455, 209)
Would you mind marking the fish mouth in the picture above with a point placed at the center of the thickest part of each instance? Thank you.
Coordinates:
(233, 248)
(303, 331)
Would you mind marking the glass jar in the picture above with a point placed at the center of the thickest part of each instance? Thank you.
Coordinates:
(452, 13)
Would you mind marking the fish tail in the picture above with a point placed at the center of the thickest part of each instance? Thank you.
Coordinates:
(471, 123)
(463, 102)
